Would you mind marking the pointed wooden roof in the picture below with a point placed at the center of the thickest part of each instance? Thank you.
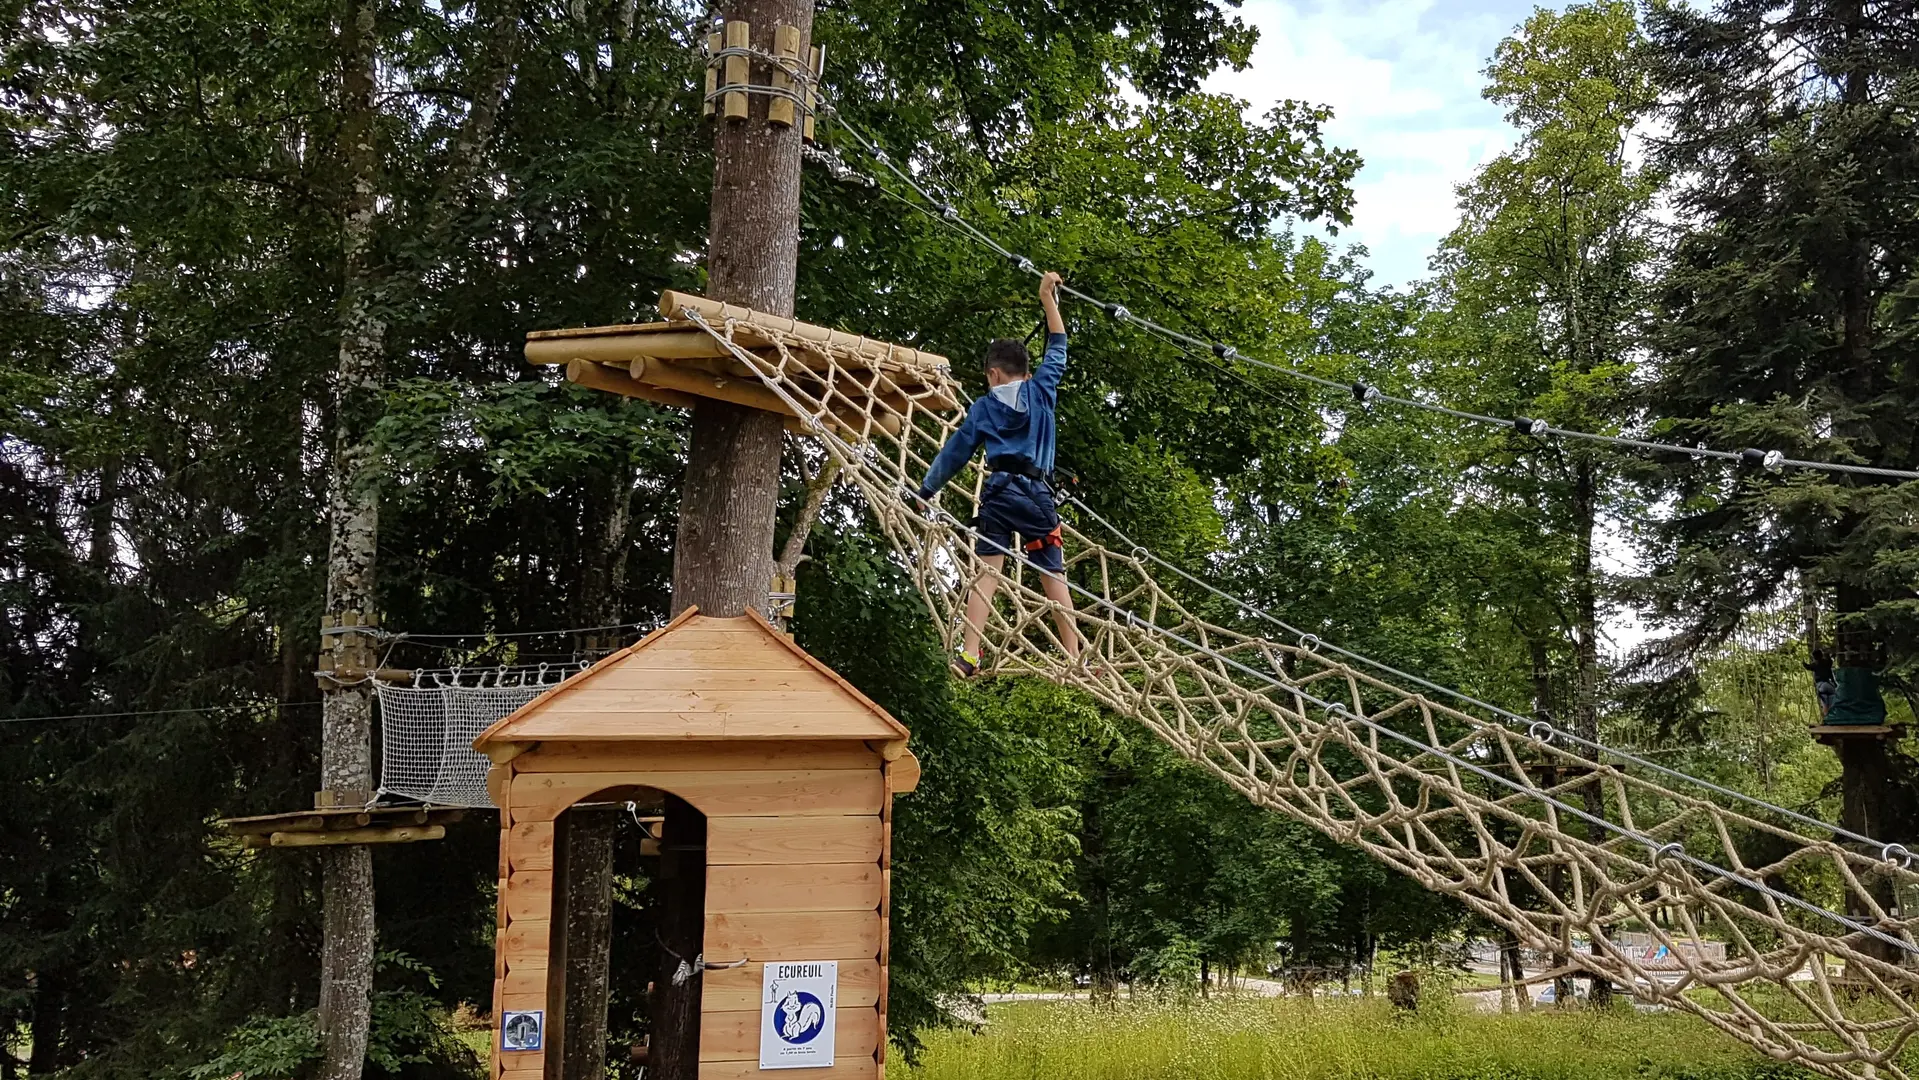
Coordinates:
(700, 677)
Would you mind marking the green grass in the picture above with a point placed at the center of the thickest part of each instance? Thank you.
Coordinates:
(1289, 1039)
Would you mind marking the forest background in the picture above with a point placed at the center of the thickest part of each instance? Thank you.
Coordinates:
(1707, 231)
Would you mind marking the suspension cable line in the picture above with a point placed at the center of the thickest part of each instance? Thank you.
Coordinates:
(947, 215)
(1363, 392)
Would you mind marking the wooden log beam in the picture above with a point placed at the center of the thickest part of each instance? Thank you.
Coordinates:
(599, 377)
(621, 347)
(405, 834)
(673, 302)
(668, 384)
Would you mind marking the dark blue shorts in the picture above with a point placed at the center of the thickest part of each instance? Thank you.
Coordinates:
(1011, 505)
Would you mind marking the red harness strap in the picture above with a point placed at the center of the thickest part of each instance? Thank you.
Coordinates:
(1051, 539)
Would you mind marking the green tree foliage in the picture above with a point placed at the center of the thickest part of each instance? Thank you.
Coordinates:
(170, 188)
(1786, 317)
(1538, 302)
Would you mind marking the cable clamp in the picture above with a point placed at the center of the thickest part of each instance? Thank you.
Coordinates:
(1225, 351)
(1365, 393)
(1118, 311)
(1025, 264)
(685, 972)
(1526, 425)
(1769, 460)
(949, 211)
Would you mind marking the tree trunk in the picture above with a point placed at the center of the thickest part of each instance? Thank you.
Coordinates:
(1586, 629)
(723, 556)
(346, 755)
(1809, 612)
(1872, 797)
(586, 835)
(43, 1024)
(1515, 971)
(1586, 675)
(675, 1053)
(1872, 800)
(584, 861)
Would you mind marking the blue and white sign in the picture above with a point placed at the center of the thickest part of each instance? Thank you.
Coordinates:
(798, 1009)
(523, 1030)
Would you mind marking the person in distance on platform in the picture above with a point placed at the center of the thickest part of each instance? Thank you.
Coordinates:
(1822, 680)
(1014, 422)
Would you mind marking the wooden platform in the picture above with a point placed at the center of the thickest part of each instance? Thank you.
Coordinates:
(675, 362)
(1832, 733)
(334, 826)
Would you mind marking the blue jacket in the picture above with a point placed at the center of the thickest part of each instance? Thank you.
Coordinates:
(1023, 429)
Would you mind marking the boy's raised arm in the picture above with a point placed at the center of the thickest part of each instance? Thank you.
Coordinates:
(1052, 365)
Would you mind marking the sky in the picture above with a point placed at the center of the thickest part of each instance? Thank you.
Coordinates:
(1403, 78)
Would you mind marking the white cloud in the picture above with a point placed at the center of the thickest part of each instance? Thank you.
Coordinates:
(1403, 78)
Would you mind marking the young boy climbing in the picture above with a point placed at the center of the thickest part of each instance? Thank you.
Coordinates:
(1014, 422)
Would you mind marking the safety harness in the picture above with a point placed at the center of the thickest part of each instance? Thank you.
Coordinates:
(1020, 466)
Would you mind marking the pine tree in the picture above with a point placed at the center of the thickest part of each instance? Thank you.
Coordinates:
(1787, 321)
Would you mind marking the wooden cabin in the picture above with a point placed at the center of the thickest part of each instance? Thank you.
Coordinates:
(794, 771)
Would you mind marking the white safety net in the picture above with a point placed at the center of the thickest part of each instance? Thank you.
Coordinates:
(427, 731)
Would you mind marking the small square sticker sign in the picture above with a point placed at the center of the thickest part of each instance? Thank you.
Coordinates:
(525, 1030)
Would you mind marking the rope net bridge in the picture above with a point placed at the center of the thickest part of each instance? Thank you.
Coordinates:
(1551, 839)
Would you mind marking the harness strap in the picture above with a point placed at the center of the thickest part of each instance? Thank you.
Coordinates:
(1051, 539)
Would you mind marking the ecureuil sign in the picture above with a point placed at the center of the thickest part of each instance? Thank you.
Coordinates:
(798, 1010)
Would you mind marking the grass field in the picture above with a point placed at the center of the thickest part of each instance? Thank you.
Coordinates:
(1289, 1039)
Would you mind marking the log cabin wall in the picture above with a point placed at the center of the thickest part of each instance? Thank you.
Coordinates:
(798, 804)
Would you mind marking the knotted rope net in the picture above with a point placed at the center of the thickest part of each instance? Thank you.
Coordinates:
(427, 730)
(1565, 846)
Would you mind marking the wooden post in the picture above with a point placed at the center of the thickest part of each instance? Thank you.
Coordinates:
(781, 110)
(818, 64)
(712, 73)
(675, 1052)
(723, 558)
(738, 34)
